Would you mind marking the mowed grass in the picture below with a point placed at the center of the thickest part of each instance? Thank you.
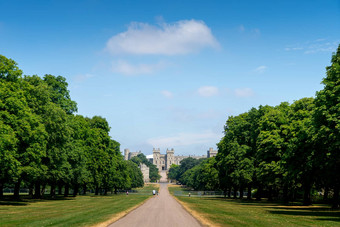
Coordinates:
(228, 212)
(78, 211)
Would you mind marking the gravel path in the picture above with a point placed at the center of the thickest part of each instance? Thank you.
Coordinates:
(161, 210)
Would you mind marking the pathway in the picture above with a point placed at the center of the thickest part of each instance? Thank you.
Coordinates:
(161, 210)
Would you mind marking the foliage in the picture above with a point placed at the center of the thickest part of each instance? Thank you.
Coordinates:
(153, 170)
(286, 150)
(135, 174)
(44, 144)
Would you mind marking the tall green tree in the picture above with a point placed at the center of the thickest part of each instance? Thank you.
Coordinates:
(137, 179)
(59, 93)
(16, 112)
(299, 161)
(57, 127)
(327, 125)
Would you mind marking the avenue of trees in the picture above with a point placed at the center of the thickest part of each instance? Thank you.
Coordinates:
(43, 143)
(285, 152)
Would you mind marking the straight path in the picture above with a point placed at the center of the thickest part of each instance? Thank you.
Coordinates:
(161, 210)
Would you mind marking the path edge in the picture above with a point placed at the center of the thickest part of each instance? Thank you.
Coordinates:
(195, 214)
(120, 215)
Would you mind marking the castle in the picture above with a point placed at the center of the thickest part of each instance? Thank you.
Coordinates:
(164, 161)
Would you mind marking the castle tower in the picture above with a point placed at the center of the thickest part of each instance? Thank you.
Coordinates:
(156, 157)
(170, 158)
(126, 154)
(211, 153)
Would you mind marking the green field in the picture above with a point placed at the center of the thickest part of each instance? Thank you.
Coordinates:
(80, 211)
(229, 212)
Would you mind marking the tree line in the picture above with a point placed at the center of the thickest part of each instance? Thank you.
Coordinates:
(284, 152)
(44, 143)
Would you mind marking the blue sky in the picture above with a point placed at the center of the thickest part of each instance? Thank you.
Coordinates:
(167, 74)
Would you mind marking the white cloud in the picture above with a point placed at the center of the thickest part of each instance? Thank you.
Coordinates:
(82, 77)
(167, 94)
(261, 69)
(185, 139)
(126, 68)
(244, 92)
(207, 91)
(182, 37)
(315, 46)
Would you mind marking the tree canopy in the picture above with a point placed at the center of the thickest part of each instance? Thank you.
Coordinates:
(43, 142)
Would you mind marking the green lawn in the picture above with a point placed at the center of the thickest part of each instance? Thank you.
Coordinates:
(79, 211)
(228, 212)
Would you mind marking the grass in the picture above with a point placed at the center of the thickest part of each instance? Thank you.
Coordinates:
(229, 212)
(79, 211)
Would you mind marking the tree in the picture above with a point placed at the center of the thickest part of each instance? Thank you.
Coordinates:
(187, 164)
(9, 70)
(299, 160)
(135, 175)
(173, 172)
(9, 164)
(153, 171)
(97, 143)
(208, 175)
(327, 125)
(55, 122)
(16, 113)
(59, 93)
(77, 158)
(271, 145)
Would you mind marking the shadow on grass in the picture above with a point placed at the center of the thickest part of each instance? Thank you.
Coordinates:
(26, 200)
(328, 215)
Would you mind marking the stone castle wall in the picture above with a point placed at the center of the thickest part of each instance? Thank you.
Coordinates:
(164, 161)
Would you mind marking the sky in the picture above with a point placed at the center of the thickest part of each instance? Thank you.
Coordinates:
(168, 74)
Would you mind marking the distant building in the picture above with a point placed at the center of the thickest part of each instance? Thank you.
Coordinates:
(128, 155)
(145, 171)
(164, 161)
(211, 153)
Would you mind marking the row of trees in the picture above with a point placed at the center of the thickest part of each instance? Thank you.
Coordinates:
(44, 143)
(199, 174)
(279, 151)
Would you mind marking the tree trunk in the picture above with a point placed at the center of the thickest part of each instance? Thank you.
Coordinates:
(270, 194)
(53, 188)
(235, 192)
(97, 190)
(37, 190)
(306, 195)
(241, 192)
(335, 203)
(75, 189)
(1, 190)
(285, 194)
(67, 188)
(30, 190)
(325, 194)
(60, 189)
(249, 192)
(84, 189)
(294, 194)
(43, 189)
(259, 193)
(17, 189)
(229, 193)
